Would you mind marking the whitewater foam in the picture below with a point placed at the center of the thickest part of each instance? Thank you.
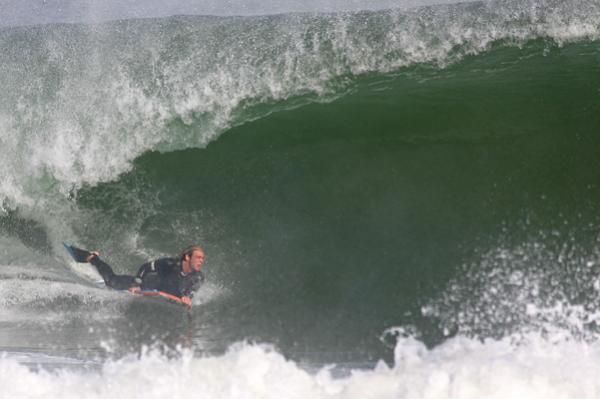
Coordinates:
(461, 368)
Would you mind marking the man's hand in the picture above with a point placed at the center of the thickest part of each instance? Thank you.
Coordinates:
(134, 290)
(187, 301)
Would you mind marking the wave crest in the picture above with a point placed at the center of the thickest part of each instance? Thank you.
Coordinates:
(82, 102)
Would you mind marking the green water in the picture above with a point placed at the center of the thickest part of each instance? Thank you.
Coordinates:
(337, 220)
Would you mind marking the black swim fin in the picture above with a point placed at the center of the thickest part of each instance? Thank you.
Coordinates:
(78, 254)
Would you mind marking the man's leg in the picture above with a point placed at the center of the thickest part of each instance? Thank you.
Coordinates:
(112, 280)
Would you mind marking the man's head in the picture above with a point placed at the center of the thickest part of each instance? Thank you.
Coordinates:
(192, 258)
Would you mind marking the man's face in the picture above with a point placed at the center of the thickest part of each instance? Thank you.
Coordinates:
(196, 260)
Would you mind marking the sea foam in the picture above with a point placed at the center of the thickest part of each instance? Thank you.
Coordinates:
(460, 368)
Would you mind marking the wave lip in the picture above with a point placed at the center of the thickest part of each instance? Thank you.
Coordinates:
(82, 102)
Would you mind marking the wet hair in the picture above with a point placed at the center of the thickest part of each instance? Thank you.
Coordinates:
(189, 250)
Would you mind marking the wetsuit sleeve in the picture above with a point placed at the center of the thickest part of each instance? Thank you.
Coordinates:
(194, 283)
(146, 268)
(161, 266)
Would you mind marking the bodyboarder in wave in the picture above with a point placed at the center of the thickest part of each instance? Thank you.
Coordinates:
(178, 276)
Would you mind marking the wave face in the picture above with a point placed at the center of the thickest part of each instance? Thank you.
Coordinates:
(418, 186)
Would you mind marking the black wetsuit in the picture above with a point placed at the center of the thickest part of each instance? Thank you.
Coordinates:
(166, 274)
(163, 274)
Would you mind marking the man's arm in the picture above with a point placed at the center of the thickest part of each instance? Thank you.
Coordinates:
(160, 266)
(144, 269)
(188, 288)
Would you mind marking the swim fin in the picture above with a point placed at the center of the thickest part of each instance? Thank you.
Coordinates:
(78, 254)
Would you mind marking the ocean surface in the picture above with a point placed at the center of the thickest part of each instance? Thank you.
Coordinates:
(393, 204)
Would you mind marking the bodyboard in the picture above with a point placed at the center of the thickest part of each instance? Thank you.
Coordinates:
(159, 295)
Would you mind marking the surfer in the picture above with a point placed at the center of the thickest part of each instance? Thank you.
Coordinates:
(179, 276)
